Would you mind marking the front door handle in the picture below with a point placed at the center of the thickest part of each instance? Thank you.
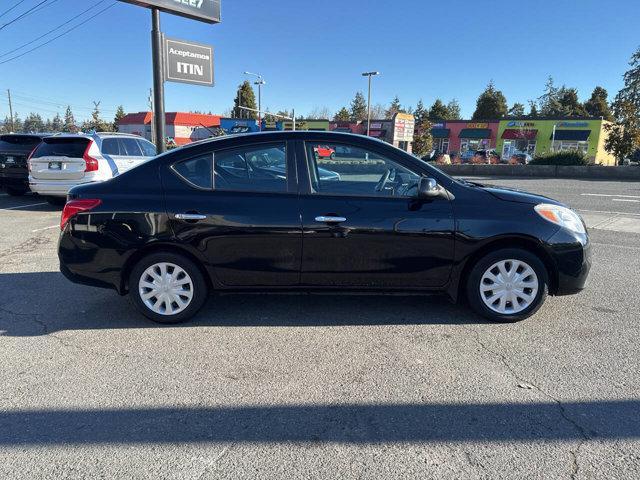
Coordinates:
(330, 219)
(190, 216)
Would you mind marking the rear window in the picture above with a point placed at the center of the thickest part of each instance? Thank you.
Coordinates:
(20, 143)
(62, 147)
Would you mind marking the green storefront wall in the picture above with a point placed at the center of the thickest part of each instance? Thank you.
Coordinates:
(544, 127)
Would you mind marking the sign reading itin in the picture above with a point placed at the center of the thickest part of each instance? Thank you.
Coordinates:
(188, 62)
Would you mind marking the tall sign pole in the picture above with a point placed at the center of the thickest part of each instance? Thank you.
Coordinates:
(158, 81)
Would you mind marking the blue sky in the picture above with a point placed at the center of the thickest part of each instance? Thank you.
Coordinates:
(311, 52)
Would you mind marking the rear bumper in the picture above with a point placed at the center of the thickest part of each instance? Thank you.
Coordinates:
(14, 180)
(54, 188)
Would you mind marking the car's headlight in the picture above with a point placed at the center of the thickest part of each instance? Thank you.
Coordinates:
(563, 216)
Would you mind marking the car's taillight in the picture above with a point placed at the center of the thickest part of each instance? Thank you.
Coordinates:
(29, 158)
(73, 207)
(91, 164)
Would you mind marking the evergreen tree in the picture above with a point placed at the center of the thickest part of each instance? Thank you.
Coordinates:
(438, 112)
(343, 115)
(245, 97)
(533, 109)
(394, 107)
(491, 104)
(56, 124)
(570, 106)
(358, 108)
(624, 134)
(421, 114)
(33, 124)
(517, 110)
(549, 101)
(454, 110)
(120, 114)
(598, 105)
(422, 140)
(69, 125)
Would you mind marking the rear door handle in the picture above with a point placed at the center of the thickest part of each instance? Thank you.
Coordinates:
(190, 216)
(330, 219)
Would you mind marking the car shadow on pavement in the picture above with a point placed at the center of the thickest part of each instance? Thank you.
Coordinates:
(27, 203)
(335, 423)
(46, 302)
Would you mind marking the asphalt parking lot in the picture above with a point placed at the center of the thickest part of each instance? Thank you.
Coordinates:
(317, 386)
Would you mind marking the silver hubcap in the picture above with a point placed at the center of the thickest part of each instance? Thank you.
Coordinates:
(165, 288)
(509, 286)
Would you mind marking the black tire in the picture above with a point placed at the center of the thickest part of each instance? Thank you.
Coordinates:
(57, 201)
(332, 156)
(16, 192)
(200, 289)
(475, 276)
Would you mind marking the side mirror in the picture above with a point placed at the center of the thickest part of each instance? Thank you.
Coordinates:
(428, 188)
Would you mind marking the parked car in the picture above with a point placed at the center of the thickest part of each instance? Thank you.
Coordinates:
(63, 161)
(183, 225)
(520, 159)
(485, 157)
(323, 151)
(14, 152)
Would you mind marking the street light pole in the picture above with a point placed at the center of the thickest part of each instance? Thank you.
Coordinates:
(369, 74)
(259, 83)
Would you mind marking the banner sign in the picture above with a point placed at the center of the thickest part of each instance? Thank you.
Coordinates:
(203, 10)
(188, 62)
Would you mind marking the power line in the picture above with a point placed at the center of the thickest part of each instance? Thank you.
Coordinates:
(25, 14)
(37, 102)
(51, 31)
(59, 36)
(11, 8)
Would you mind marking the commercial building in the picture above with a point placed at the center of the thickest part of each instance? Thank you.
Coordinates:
(398, 131)
(239, 125)
(181, 128)
(545, 135)
(464, 137)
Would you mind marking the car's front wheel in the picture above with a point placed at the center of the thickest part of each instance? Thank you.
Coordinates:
(167, 287)
(507, 285)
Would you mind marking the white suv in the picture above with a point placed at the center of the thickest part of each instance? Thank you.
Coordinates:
(64, 161)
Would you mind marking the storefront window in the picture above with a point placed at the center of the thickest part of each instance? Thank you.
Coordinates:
(441, 145)
(570, 146)
(515, 147)
(471, 145)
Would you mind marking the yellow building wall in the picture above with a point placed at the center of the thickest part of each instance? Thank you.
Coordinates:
(602, 156)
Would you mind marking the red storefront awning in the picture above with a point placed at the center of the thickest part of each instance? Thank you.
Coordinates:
(517, 134)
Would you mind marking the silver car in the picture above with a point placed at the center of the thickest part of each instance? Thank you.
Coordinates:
(64, 161)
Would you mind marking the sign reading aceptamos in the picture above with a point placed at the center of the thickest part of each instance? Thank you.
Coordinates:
(188, 62)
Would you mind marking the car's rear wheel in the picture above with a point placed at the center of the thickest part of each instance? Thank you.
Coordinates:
(16, 192)
(508, 285)
(167, 287)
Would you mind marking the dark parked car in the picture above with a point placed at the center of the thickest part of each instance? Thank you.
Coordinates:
(195, 221)
(14, 152)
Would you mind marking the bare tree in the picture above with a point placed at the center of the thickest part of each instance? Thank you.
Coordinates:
(378, 111)
(320, 113)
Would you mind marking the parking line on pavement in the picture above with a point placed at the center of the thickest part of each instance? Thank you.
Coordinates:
(45, 228)
(608, 195)
(624, 200)
(24, 206)
(610, 212)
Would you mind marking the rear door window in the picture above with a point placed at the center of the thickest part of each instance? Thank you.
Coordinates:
(18, 143)
(196, 171)
(62, 147)
(110, 146)
(257, 168)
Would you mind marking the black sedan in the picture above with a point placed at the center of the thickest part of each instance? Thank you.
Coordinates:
(211, 218)
(14, 152)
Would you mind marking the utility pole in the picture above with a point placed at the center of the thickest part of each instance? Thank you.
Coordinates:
(10, 110)
(158, 80)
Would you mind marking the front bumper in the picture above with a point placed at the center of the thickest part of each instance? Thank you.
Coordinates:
(571, 252)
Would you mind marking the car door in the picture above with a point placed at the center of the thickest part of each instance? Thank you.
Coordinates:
(238, 206)
(365, 227)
